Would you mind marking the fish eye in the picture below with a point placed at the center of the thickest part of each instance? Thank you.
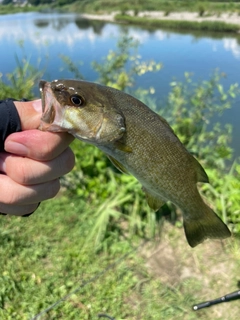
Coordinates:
(76, 100)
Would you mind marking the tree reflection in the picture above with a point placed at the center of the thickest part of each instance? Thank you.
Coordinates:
(41, 23)
(84, 24)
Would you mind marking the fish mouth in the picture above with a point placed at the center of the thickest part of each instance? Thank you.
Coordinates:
(42, 84)
(51, 108)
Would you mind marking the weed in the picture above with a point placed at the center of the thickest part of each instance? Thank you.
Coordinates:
(201, 11)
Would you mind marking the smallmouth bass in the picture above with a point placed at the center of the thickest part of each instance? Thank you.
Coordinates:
(136, 140)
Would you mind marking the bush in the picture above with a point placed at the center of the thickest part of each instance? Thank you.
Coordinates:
(20, 82)
(201, 11)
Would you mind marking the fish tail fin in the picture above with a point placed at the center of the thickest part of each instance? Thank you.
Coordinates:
(207, 226)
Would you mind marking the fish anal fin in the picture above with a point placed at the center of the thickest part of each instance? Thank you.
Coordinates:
(118, 165)
(154, 202)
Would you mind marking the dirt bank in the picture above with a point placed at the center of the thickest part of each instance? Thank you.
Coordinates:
(231, 18)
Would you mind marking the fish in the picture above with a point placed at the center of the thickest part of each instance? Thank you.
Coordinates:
(138, 141)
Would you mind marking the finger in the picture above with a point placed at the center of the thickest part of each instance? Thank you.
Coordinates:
(38, 145)
(18, 210)
(14, 194)
(26, 171)
(30, 113)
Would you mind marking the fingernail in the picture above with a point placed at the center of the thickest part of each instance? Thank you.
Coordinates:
(16, 148)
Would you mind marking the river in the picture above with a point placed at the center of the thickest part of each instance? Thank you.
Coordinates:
(41, 38)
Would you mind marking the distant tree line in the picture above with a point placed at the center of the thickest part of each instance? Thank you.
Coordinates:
(65, 2)
(39, 2)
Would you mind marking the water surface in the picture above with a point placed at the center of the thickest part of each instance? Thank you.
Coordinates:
(41, 38)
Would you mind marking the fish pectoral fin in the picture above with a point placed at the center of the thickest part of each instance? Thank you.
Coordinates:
(118, 165)
(154, 202)
(122, 147)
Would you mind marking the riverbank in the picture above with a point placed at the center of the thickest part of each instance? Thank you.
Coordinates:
(226, 22)
(212, 17)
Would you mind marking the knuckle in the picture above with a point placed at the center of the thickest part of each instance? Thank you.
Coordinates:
(45, 152)
(19, 172)
(22, 174)
(53, 189)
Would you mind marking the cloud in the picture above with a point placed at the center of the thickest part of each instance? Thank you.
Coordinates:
(233, 46)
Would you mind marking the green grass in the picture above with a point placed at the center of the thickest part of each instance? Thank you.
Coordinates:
(100, 6)
(215, 26)
(153, 5)
(45, 257)
(10, 9)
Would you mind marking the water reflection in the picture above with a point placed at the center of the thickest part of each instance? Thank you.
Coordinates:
(97, 26)
(83, 40)
(41, 23)
(50, 28)
(232, 45)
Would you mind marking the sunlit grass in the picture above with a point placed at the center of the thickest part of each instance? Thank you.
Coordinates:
(151, 5)
(45, 257)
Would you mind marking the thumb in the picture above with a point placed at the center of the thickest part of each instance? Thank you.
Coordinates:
(30, 113)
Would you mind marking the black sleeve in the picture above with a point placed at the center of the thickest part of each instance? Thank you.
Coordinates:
(9, 120)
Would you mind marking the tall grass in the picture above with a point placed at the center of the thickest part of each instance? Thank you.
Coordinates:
(153, 5)
(20, 82)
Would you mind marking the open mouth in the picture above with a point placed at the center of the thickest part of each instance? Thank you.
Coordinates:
(42, 84)
(53, 113)
(48, 102)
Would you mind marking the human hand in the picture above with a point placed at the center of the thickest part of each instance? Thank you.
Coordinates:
(33, 162)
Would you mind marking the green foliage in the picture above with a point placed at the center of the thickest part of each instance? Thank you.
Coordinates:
(99, 6)
(115, 71)
(151, 5)
(40, 2)
(192, 106)
(71, 66)
(224, 192)
(216, 26)
(64, 2)
(6, 2)
(46, 256)
(201, 10)
(20, 82)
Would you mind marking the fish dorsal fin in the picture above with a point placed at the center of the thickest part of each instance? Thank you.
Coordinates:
(201, 174)
(154, 202)
(118, 165)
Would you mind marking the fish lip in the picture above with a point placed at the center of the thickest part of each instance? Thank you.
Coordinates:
(48, 108)
(42, 84)
(52, 111)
